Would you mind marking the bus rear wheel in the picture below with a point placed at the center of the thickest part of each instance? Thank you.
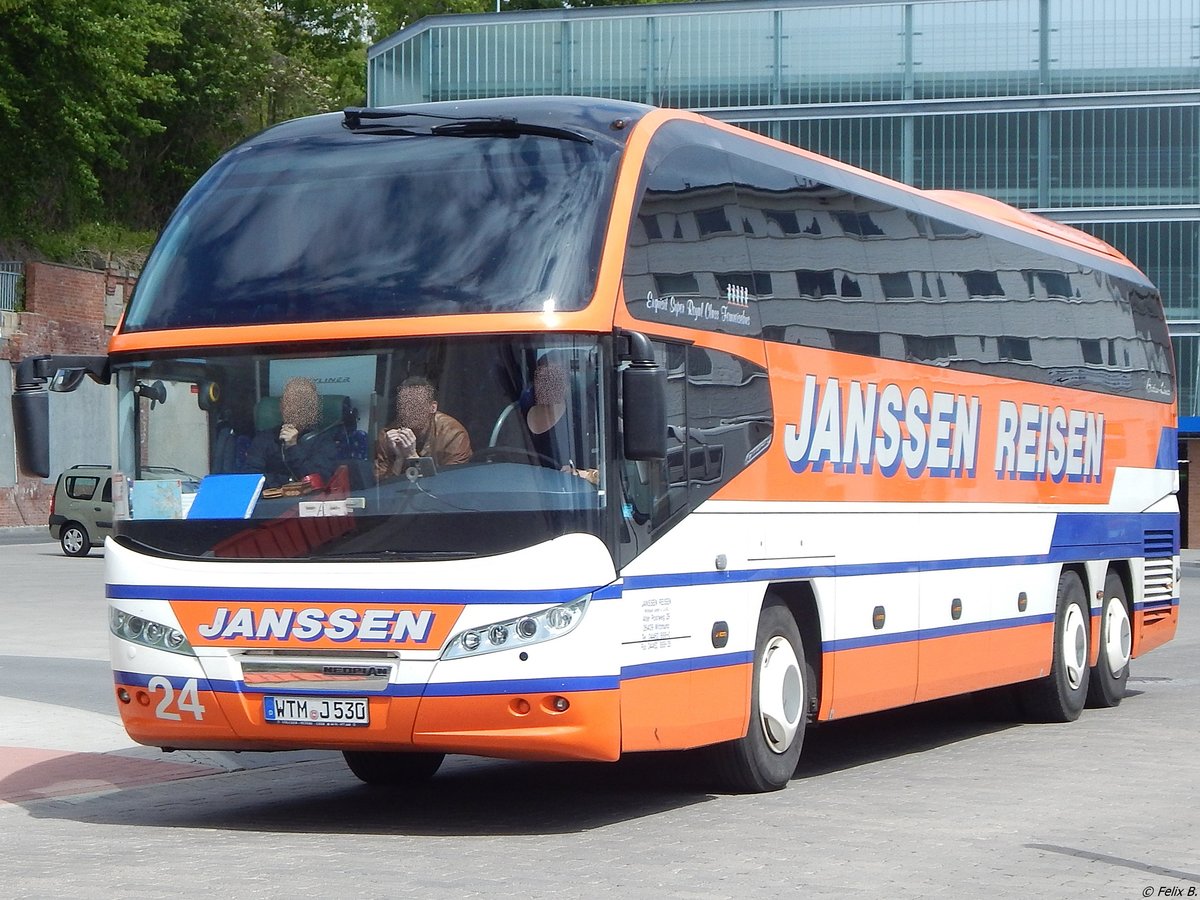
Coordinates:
(1107, 684)
(389, 768)
(1059, 697)
(765, 759)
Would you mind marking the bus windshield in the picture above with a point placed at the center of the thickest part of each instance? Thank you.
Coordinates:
(423, 448)
(337, 226)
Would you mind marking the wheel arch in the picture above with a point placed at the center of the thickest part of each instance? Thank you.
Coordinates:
(801, 600)
(1124, 571)
(1094, 575)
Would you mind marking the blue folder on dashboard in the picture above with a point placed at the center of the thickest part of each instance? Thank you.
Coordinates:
(226, 497)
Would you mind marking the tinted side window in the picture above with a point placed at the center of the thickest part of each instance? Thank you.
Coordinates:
(870, 278)
(690, 267)
(729, 419)
(719, 420)
(81, 487)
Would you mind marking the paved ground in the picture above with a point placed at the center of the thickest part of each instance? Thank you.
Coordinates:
(938, 800)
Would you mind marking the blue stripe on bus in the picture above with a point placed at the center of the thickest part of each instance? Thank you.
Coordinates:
(1168, 449)
(451, 689)
(694, 664)
(138, 679)
(928, 634)
(524, 686)
(1077, 537)
(1155, 605)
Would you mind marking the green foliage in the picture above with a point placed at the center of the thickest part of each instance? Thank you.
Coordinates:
(219, 68)
(94, 244)
(112, 108)
(392, 15)
(72, 80)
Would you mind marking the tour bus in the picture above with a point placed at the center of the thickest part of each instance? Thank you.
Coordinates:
(815, 444)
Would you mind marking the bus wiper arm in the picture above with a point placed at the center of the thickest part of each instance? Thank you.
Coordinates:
(379, 121)
(506, 127)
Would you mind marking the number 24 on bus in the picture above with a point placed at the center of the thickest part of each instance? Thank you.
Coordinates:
(562, 429)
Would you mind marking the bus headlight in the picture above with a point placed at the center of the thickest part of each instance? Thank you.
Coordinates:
(521, 631)
(148, 633)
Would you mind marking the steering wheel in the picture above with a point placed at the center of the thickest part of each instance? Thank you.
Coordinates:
(502, 453)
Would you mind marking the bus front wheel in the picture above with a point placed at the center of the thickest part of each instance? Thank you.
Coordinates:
(1059, 697)
(765, 759)
(385, 768)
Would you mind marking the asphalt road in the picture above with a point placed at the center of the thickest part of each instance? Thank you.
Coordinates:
(943, 799)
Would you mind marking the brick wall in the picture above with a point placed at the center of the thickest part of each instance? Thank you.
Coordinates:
(64, 313)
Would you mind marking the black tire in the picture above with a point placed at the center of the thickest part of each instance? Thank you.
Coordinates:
(74, 540)
(1059, 697)
(385, 768)
(765, 759)
(1106, 688)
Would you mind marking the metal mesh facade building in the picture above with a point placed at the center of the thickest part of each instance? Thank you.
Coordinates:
(1087, 111)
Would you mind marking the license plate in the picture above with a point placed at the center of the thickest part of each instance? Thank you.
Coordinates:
(316, 710)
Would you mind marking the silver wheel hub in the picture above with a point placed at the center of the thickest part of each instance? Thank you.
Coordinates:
(1118, 636)
(780, 694)
(74, 540)
(1075, 646)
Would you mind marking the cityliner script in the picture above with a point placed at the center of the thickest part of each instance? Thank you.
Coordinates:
(859, 427)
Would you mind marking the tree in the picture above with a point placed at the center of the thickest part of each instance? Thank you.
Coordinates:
(239, 66)
(391, 15)
(73, 78)
(220, 69)
(324, 44)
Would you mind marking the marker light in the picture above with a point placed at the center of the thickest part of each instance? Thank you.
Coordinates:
(533, 628)
(148, 633)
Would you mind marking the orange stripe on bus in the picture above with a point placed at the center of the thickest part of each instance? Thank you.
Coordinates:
(685, 709)
(523, 726)
(594, 319)
(958, 664)
(868, 679)
(1153, 628)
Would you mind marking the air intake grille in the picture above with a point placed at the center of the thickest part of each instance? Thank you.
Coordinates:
(1159, 575)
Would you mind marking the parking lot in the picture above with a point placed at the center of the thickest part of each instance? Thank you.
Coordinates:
(937, 800)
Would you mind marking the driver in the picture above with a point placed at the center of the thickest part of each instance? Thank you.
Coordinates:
(420, 430)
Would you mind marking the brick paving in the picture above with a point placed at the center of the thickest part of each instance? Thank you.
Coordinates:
(941, 800)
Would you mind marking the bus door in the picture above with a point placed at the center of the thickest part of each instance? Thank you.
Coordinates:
(872, 657)
(957, 652)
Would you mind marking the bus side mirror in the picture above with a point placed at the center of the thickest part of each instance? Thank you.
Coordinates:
(31, 417)
(644, 405)
(31, 401)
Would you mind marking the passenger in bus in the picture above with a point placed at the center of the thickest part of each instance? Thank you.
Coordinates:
(546, 421)
(420, 430)
(299, 447)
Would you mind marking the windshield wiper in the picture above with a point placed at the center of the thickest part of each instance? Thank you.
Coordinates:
(374, 121)
(379, 121)
(506, 127)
